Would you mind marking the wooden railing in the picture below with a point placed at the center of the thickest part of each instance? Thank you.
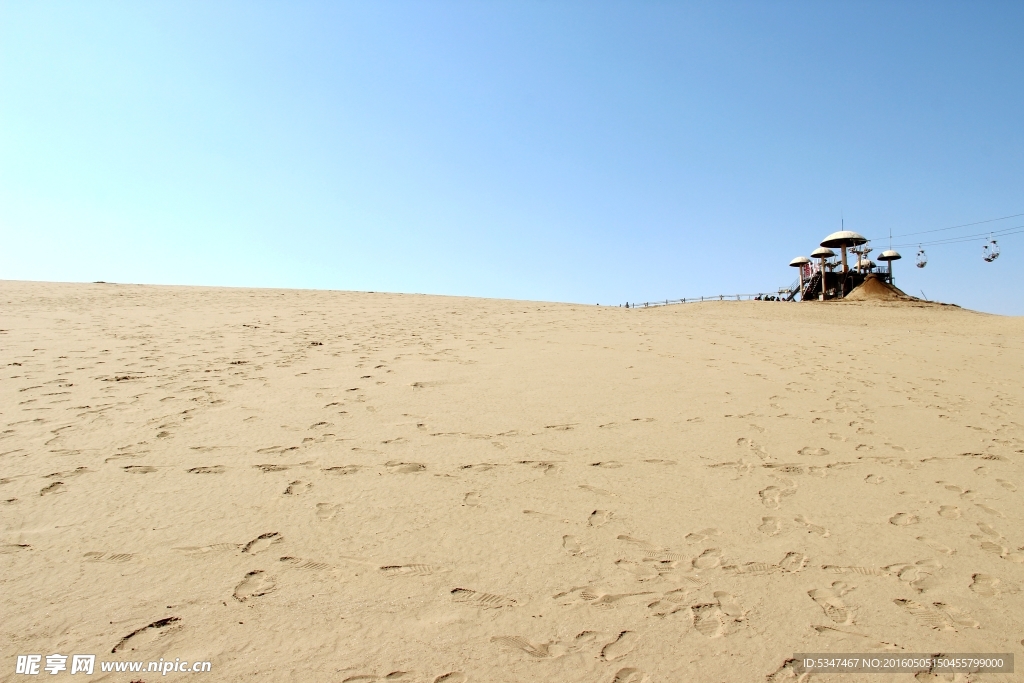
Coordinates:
(781, 294)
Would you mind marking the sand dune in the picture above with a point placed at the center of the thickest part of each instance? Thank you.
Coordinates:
(334, 486)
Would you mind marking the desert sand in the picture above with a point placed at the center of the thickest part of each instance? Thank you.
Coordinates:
(343, 486)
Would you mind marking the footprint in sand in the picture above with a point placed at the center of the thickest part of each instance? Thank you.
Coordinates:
(713, 619)
(771, 497)
(729, 605)
(297, 488)
(949, 512)
(866, 571)
(262, 542)
(936, 546)
(956, 615)
(985, 585)
(196, 550)
(755, 568)
(938, 615)
(829, 600)
(903, 519)
(874, 479)
(550, 650)
(271, 467)
(669, 603)
(988, 530)
(77, 472)
(599, 518)
(608, 600)
(770, 526)
(207, 469)
(991, 546)
(788, 467)
(620, 647)
(571, 545)
(299, 563)
(139, 469)
(11, 548)
(327, 511)
(712, 557)
(479, 467)
(482, 600)
(649, 550)
(342, 469)
(55, 487)
(642, 571)
(793, 562)
(927, 615)
(807, 450)
(471, 499)
(708, 620)
(451, 677)
(396, 467)
(920, 575)
(758, 449)
(412, 570)
(740, 466)
(255, 584)
(629, 675)
(1008, 485)
(702, 535)
(599, 491)
(991, 511)
(811, 527)
(147, 634)
(107, 557)
(788, 672)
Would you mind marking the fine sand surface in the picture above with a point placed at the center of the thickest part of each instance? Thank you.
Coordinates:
(335, 486)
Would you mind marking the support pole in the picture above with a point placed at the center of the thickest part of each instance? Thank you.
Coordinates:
(821, 294)
(842, 282)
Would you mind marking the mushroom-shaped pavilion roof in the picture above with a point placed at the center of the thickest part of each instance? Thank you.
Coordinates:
(799, 261)
(822, 252)
(844, 238)
(889, 255)
(865, 263)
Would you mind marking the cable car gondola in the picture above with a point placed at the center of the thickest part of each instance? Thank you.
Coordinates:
(990, 252)
(922, 258)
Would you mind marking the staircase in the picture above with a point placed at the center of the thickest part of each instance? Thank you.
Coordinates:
(813, 287)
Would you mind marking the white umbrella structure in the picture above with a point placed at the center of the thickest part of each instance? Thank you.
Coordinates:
(800, 262)
(844, 239)
(889, 256)
(822, 253)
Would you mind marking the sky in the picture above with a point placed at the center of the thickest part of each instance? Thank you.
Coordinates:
(591, 152)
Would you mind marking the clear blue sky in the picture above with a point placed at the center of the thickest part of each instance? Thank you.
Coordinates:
(569, 151)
